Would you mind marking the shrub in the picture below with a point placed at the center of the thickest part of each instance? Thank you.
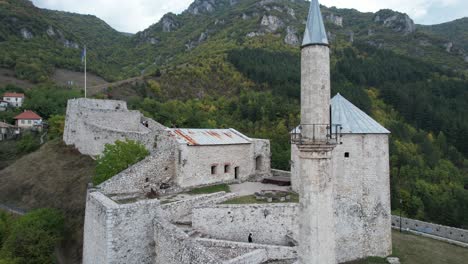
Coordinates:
(117, 157)
(33, 238)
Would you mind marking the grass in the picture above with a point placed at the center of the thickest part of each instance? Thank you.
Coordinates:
(211, 189)
(412, 249)
(250, 199)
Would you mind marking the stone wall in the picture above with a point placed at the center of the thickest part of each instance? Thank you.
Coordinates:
(362, 199)
(452, 233)
(157, 169)
(177, 210)
(196, 163)
(91, 123)
(280, 173)
(256, 256)
(119, 233)
(173, 246)
(269, 223)
(273, 252)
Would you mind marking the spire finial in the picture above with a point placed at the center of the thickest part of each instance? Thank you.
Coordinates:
(315, 33)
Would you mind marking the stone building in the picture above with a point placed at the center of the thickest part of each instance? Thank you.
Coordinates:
(180, 158)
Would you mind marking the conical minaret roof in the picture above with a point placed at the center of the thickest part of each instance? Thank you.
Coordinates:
(315, 33)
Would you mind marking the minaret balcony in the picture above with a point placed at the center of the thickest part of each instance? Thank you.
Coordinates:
(319, 134)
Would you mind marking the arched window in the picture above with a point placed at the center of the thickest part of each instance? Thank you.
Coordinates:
(258, 163)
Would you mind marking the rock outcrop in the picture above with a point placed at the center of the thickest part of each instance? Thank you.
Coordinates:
(168, 23)
(26, 34)
(396, 21)
(291, 36)
(271, 23)
(337, 20)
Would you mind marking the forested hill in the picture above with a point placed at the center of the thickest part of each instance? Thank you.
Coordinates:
(235, 63)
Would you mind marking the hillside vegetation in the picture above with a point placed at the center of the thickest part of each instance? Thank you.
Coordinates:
(55, 176)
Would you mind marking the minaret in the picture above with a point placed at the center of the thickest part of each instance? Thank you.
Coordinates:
(316, 213)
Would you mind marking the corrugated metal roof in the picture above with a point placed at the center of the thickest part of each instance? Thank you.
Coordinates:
(315, 32)
(351, 119)
(201, 137)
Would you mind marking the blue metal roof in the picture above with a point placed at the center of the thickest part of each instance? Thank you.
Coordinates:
(204, 137)
(351, 119)
(315, 32)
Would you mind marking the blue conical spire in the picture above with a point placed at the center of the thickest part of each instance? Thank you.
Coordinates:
(315, 32)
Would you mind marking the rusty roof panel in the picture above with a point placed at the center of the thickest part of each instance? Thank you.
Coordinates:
(203, 137)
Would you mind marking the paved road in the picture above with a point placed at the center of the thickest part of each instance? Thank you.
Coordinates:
(12, 209)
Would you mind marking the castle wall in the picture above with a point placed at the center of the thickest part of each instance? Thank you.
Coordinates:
(448, 232)
(119, 233)
(91, 123)
(176, 210)
(273, 252)
(269, 223)
(173, 246)
(362, 195)
(150, 173)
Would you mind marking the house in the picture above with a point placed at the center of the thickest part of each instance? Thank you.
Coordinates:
(28, 120)
(3, 105)
(14, 99)
(7, 131)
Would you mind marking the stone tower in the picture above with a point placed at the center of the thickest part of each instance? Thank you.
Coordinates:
(316, 216)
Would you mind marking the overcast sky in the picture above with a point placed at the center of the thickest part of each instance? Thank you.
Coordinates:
(136, 15)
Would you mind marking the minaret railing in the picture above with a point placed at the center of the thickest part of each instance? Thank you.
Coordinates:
(317, 134)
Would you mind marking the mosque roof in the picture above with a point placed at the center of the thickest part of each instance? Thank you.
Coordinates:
(352, 119)
(315, 32)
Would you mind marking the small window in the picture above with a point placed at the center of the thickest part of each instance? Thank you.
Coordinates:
(147, 180)
(227, 168)
(213, 170)
(346, 154)
(29, 121)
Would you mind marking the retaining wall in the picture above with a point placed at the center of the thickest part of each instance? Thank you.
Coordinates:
(452, 233)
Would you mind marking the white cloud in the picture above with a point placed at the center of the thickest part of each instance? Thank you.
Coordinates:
(123, 15)
(136, 15)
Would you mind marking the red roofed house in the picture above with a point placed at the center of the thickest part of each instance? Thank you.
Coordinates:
(14, 99)
(28, 119)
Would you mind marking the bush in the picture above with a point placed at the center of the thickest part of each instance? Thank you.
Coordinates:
(117, 157)
(27, 144)
(56, 126)
(33, 238)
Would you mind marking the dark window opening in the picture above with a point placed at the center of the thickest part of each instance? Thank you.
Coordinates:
(236, 173)
(227, 168)
(346, 155)
(213, 170)
(147, 180)
(258, 163)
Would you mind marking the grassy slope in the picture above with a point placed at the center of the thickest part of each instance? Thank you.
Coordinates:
(413, 249)
(54, 176)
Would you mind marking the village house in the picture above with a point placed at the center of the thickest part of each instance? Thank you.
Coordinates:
(3, 105)
(7, 131)
(14, 99)
(28, 120)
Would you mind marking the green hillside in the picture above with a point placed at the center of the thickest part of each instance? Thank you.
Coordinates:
(225, 63)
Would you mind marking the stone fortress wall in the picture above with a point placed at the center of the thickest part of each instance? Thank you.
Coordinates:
(452, 233)
(91, 123)
(268, 223)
